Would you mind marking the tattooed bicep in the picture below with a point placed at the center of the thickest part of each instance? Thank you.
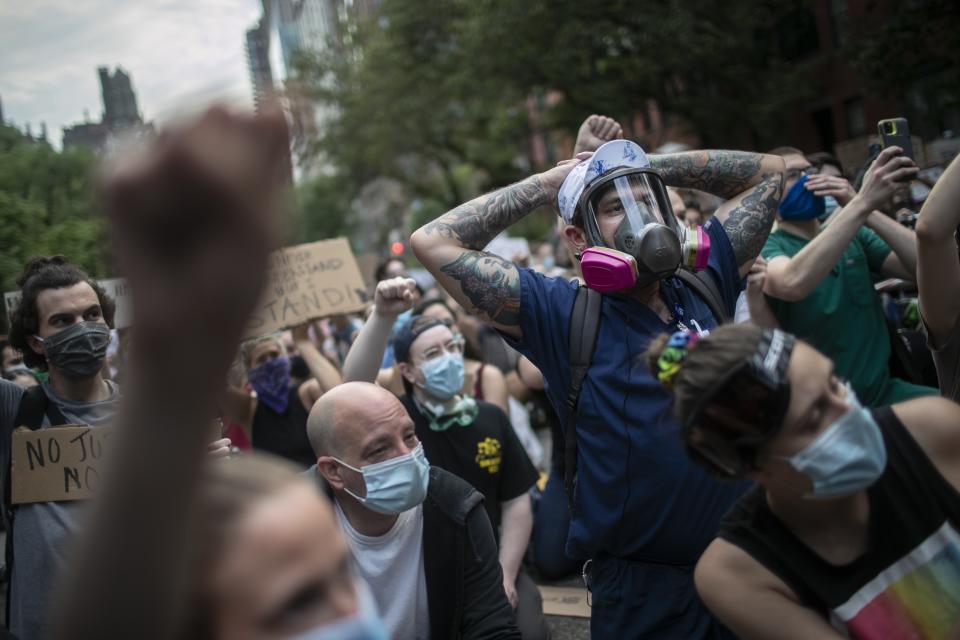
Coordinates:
(490, 286)
(748, 223)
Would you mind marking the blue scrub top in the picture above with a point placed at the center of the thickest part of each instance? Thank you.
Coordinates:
(638, 495)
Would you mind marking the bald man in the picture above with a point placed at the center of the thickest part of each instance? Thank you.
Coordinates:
(419, 535)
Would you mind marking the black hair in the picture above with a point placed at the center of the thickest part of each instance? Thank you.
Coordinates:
(40, 274)
(423, 305)
(821, 158)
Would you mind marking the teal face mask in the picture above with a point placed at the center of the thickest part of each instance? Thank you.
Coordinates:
(443, 376)
(846, 458)
(394, 485)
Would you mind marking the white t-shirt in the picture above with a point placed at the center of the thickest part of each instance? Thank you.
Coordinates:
(392, 564)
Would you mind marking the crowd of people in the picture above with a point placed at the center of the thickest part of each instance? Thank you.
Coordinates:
(710, 414)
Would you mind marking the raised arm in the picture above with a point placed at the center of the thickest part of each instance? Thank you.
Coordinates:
(938, 269)
(794, 278)
(451, 247)
(750, 182)
(320, 367)
(392, 298)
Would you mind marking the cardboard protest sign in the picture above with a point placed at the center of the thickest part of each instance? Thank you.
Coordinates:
(307, 282)
(57, 463)
(116, 288)
(565, 601)
(63, 463)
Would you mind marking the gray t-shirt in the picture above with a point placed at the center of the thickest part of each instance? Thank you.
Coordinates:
(946, 357)
(43, 531)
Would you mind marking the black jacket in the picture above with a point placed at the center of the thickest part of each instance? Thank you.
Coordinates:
(460, 560)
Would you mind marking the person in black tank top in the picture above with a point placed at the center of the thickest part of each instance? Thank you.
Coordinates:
(275, 418)
(853, 527)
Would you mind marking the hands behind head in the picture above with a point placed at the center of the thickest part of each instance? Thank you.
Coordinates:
(194, 218)
(596, 130)
(888, 173)
(394, 296)
(552, 179)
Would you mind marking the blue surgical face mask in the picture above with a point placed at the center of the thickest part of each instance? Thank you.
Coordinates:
(801, 204)
(394, 485)
(830, 205)
(846, 458)
(365, 624)
(443, 376)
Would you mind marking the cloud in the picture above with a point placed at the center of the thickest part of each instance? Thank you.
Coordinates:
(180, 54)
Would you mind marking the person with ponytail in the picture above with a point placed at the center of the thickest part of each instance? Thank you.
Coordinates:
(851, 529)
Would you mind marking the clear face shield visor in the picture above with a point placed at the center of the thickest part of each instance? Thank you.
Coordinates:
(638, 197)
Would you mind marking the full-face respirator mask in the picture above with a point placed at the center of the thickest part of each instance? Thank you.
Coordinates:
(617, 182)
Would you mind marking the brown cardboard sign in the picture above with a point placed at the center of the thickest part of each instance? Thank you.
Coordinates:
(565, 601)
(56, 463)
(307, 282)
(63, 463)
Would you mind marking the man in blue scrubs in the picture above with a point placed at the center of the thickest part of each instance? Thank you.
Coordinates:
(642, 511)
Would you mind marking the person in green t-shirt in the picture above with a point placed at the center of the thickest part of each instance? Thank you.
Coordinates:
(818, 280)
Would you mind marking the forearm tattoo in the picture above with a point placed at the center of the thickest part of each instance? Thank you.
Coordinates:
(749, 223)
(474, 224)
(492, 285)
(722, 173)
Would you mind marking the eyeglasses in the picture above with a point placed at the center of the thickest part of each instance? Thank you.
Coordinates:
(454, 347)
(795, 174)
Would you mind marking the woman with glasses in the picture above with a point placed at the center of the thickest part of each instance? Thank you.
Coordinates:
(852, 527)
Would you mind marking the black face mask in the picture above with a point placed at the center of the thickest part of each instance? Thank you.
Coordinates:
(79, 350)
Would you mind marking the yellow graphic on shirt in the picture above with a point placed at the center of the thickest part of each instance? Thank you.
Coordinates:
(488, 455)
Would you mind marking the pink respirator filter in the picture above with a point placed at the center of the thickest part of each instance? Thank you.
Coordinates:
(696, 249)
(607, 270)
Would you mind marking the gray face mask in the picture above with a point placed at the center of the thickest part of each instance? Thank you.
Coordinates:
(79, 350)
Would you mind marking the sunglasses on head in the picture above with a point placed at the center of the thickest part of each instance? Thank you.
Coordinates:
(743, 410)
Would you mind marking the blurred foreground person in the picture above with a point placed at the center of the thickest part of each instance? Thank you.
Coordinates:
(271, 562)
(194, 219)
(938, 275)
(419, 535)
(852, 528)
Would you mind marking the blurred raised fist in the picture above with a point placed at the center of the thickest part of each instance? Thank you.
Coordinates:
(394, 296)
(194, 217)
(594, 131)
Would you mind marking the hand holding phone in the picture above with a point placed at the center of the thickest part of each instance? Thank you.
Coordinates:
(895, 132)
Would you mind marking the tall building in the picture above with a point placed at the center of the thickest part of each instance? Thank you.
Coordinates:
(119, 100)
(121, 116)
(257, 45)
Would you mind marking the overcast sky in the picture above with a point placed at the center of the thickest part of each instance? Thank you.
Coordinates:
(179, 53)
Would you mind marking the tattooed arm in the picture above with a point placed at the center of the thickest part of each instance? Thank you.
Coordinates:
(750, 182)
(451, 247)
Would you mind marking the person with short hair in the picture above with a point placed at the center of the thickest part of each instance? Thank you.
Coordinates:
(472, 439)
(641, 512)
(818, 282)
(418, 534)
(853, 527)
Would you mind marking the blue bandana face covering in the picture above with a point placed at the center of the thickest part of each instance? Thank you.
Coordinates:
(801, 204)
(846, 458)
(271, 381)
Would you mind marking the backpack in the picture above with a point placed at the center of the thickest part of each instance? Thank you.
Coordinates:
(584, 325)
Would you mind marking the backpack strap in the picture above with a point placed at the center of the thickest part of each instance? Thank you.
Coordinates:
(707, 289)
(34, 405)
(584, 325)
